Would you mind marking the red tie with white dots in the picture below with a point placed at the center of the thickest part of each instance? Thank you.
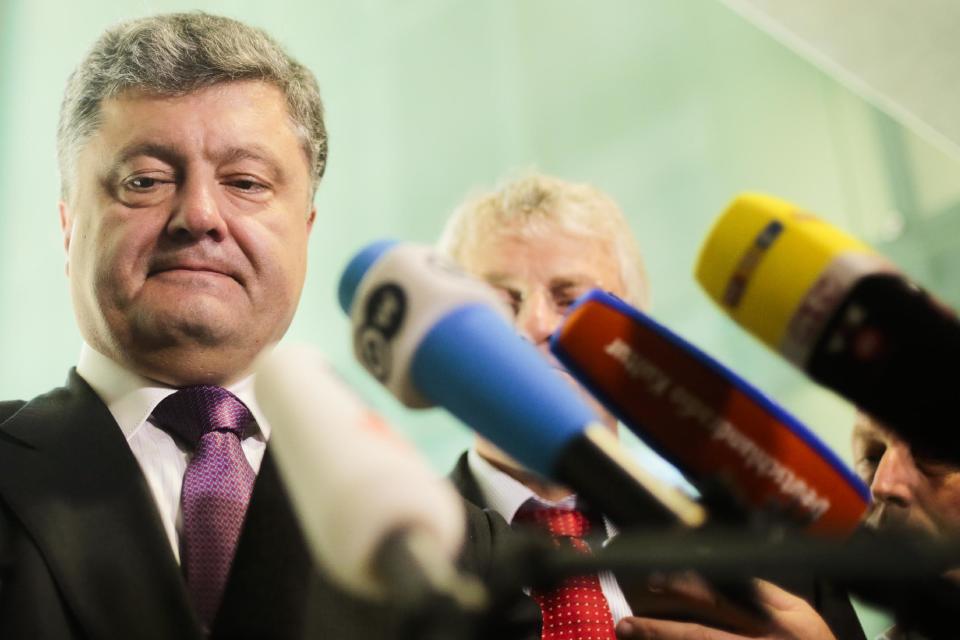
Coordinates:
(576, 609)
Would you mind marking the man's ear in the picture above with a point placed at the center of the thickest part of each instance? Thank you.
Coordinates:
(66, 228)
(311, 218)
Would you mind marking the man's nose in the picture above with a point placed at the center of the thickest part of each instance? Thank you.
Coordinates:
(538, 318)
(196, 212)
(895, 476)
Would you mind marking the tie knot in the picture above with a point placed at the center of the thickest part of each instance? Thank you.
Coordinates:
(558, 522)
(193, 412)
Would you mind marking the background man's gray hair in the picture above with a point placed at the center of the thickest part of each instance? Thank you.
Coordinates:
(537, 205)
(176, 54)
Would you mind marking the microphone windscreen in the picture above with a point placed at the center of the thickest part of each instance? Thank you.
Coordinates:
(352, 480)
(437, 337)
(473, 363)
(763, 259)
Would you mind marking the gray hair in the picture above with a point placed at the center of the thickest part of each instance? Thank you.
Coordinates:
(176, 54)
(536, 205)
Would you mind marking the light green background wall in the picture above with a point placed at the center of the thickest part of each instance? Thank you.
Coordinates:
(672, 106)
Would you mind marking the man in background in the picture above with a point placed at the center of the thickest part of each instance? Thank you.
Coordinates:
(542, 242)
(912, 491)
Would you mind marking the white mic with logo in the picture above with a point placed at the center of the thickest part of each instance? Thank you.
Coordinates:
(371, 509)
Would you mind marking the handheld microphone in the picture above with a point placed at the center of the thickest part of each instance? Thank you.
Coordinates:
(841, 312)
(375, 516)
(705, 419)
(435, 336)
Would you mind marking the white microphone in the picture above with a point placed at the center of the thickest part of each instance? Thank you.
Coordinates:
(371, 509)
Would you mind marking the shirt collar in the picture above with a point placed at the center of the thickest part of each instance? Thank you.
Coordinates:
(131, 398)
(505, 494)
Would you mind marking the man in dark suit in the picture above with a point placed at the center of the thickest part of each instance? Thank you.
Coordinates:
(542, 242)
(913, 491)
(190, 149)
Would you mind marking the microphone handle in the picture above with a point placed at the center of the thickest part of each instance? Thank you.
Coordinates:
(888, 348)
(595, 466)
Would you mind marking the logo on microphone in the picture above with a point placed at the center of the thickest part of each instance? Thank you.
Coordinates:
(748, 263)
(382, 318)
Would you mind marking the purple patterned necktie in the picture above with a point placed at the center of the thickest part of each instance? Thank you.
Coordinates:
(216, 485)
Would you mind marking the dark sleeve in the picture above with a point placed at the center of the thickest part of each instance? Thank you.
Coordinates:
(6, 547)
(31, 606)
(8, 408)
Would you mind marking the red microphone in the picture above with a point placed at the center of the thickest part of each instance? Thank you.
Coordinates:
(710, 423)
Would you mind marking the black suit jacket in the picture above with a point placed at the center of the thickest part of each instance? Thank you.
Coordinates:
(832, 604)
(83, 553)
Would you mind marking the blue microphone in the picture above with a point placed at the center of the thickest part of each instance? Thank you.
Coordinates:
(436, 336)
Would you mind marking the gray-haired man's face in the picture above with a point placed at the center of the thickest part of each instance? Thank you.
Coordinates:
(186, 230)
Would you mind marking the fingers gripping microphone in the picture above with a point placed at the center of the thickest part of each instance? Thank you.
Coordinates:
(842, 313)
(705, 419)
(435, 336)
(375, 516)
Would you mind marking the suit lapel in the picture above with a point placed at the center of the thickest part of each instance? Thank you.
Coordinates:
(462, 478)
(487, 535)
(71, 479)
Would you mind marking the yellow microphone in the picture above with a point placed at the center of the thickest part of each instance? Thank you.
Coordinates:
(840, 311)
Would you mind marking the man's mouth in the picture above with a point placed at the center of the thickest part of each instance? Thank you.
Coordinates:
(190, 268)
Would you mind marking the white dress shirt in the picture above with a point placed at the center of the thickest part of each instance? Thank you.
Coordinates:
(506, 495)
(131, 399)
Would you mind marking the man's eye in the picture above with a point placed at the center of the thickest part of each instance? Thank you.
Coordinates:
(872, 457)
(935, 467)
(142, 183)
(246, 184)
(566, 299)
(867, 461)
(512, 298)
(865, 470)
